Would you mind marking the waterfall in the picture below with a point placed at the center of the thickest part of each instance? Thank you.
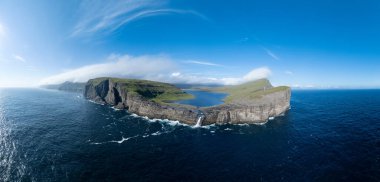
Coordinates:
(199, 121)
(200, 117)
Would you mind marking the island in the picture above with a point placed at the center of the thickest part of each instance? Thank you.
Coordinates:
(66, 86)
(249, 103)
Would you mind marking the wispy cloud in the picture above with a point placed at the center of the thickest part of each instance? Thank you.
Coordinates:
(242, 40)
(258, 73)
(289, 72)
(157, 68)
(202, 63)
(307, 86)
(19, 58)
(254, 74)
(271, 54)
(120, 66)
(96, 16)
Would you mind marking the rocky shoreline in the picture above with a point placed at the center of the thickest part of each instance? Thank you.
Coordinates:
(115, 94)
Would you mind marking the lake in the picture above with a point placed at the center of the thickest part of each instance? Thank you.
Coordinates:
(203, 98)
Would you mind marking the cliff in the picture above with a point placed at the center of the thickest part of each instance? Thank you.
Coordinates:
(248, 103)
(252, 102)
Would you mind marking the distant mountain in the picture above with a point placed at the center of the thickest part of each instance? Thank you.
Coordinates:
(67, 86)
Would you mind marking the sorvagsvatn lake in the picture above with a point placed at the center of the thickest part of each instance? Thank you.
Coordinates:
(203, 98)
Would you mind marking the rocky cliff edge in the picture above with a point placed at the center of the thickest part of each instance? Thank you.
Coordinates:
(141, 97)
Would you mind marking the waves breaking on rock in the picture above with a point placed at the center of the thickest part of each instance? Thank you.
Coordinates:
(168, 126)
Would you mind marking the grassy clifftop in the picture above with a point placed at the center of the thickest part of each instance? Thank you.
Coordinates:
(155, 91)
(248, 91)
(165, 93)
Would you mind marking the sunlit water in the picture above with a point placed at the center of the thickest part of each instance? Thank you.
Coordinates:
(59, 136)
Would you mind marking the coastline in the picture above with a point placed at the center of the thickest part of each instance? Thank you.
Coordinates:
(107, 91)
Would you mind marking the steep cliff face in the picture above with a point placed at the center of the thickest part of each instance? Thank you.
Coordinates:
(271, 105)
(115, 93)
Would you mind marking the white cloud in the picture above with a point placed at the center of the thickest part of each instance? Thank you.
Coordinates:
(176, 74)
(96, 16)
(271, 54)
(202, 63)
(289, 72)
(254, 74)
(157, 68)
(19, 58)
(144, 67)
(306, 86)
(258, 73)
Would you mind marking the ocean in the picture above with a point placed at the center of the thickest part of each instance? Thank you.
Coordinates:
(328, 135)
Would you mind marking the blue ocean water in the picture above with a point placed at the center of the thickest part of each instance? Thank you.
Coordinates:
(57, 136)
(203, 98)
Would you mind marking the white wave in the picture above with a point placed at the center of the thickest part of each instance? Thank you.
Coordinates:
(96, 102)
(204, 126)
(260, 124)
(271, 118)
(115, 141)
(123, 139)
(228, 129)
(209, 126)
(115, 109)
(156, 133)
(92, 101)
(166, 121)
(134, 115)
(195, 126)
(154, 120)
(97, 143)
(246, 124)
(173, 123)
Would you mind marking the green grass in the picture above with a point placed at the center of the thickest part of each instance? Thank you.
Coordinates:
(155, 91)
(165, 93)
(248, 91)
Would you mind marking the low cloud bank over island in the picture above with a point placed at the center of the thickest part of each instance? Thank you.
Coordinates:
(156, 68)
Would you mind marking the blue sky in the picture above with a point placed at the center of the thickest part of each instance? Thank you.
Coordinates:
(317, 43)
